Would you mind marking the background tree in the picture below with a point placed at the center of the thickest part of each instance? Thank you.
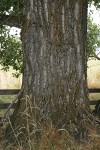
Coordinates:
(93, 32)
(10, 51)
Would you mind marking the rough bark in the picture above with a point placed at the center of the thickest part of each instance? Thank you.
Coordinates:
(54, 56)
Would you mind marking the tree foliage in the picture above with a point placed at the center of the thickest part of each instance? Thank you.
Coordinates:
(10, 46)
(17, 5)
(95, 2)
(10, 50)
(93, 42)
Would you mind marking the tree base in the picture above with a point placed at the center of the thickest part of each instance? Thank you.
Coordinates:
(30, 129)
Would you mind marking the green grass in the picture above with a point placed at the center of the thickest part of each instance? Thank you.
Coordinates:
(6, 98)
(94, 96)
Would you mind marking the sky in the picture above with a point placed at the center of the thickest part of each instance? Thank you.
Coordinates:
(15, 31)
(95, 14)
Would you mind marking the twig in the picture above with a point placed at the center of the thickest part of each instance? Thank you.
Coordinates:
(96, 56)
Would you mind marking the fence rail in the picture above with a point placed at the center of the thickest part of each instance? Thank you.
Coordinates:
(9, 91)
(16, 91)
(6, 105)
(93, 102)
(96, 90)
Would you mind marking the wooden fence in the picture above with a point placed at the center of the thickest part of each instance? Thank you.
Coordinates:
(96, 90)
(16, 91)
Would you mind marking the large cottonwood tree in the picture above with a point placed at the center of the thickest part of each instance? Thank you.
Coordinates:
(54, 61)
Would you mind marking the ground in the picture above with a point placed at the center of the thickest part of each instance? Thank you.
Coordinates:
(51, 140)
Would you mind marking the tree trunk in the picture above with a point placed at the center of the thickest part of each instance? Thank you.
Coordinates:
(54, 56)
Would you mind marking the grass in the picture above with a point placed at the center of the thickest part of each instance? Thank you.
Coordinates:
(7, 81)
(50, 137)
(94, 96)
(93, 73)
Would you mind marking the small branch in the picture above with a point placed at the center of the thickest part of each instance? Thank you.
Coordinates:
(10, 106)
(96, 56)
(11, 20)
